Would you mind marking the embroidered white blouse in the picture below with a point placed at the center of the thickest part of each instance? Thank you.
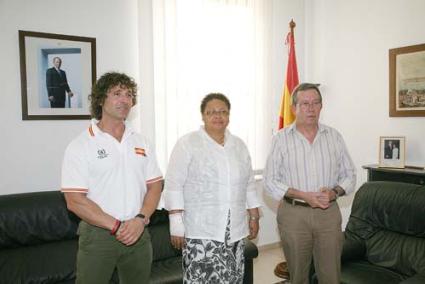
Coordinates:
(206, 180)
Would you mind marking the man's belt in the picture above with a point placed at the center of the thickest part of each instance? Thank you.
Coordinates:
(293, 201)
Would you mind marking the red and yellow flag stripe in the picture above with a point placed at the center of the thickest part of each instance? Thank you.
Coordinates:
(140, 151)
(286, 116)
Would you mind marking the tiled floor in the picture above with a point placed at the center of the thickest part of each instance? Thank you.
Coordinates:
(265, 264)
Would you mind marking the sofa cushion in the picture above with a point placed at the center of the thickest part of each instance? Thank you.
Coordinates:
(168, 271)
(52, 262)
(416, 279)
(365, 272)
(402, 253)
(35, 218)
(160, 236)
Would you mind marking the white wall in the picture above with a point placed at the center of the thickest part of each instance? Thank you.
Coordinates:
(283, 12)
(32, 151)
(346, 50)
(343, 45)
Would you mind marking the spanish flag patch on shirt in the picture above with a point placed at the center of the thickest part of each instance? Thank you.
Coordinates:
(140, 151)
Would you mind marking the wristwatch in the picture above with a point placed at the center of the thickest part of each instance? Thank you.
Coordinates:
(336, 193)
(143, 217)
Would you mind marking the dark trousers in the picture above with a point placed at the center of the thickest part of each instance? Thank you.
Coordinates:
(99, 254)
(57, 104)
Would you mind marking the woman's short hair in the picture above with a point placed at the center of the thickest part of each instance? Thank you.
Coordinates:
(103, 85)
(214, 96)
(304, 87)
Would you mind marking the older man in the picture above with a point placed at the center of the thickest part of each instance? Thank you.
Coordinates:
(307, 169)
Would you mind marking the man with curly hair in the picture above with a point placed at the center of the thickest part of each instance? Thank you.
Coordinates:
(111, 180)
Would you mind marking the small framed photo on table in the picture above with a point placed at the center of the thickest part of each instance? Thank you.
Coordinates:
(392, 151)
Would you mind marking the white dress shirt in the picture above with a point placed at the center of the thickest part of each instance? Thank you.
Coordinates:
(295, 163)
(206, 180)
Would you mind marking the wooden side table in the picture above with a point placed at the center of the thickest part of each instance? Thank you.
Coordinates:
(409, 175)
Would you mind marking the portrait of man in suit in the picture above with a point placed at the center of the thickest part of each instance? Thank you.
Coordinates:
(57, 85)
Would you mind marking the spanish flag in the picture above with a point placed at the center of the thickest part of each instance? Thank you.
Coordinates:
(286, 116)
(140, 151)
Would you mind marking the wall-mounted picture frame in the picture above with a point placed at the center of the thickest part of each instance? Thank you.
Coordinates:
(57, 73)
(392, 151)
(407, 81)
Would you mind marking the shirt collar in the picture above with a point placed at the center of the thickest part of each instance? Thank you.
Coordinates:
(95, 130)
(226, 135)
(292, 127)
(320, 132)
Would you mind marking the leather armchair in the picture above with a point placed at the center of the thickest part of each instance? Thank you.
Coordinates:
(385, 235)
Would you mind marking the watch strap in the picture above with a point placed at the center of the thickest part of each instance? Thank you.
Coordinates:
(336, 193)
(143, 217)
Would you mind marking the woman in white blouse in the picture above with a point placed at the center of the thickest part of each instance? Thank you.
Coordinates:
(210, 194)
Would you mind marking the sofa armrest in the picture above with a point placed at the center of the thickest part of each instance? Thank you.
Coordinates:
(353, 250)
(251, 250)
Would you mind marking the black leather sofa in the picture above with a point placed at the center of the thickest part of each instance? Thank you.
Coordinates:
(38, 242)
(385, 235)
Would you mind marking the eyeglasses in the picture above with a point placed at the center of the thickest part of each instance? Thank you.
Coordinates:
(221, 112)
(307, 105)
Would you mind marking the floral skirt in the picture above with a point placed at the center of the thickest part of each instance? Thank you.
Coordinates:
(210, 262)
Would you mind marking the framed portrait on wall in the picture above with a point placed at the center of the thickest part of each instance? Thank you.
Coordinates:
(392, 151)
(407, 81)
(57, 73)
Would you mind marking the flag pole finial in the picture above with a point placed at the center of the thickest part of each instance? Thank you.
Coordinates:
(292, 25)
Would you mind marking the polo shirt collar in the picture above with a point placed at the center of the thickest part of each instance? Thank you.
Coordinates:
(95, 130)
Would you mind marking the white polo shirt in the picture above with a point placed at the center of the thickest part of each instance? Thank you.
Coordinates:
(113, 174)
(207, 180)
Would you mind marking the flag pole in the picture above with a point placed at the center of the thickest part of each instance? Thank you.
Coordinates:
(281, 269)
(286, 117)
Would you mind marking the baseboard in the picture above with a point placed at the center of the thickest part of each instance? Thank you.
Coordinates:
(270, 246)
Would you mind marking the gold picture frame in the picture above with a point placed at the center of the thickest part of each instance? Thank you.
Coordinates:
(392, 151)
(407, 81)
